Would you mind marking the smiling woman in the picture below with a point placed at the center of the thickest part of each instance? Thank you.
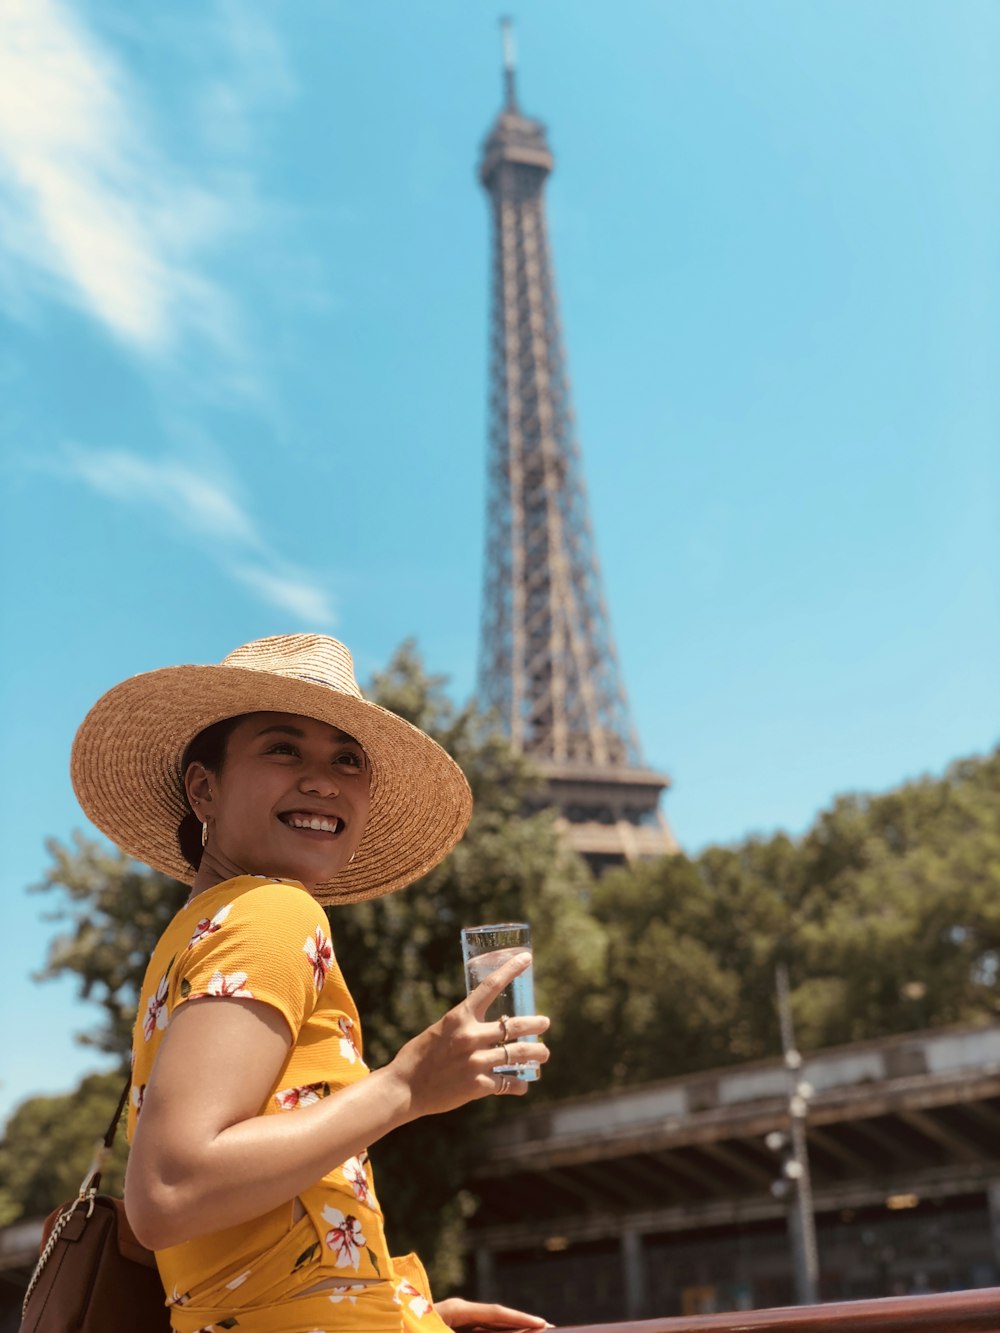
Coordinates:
(271, 786)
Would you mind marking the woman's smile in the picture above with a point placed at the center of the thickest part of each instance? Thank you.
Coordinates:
(305, 822)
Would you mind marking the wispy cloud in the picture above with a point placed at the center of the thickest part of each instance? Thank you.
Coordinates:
(200, 505)
(90, 206)
(251, 70)
(294, 593)
(209, 508)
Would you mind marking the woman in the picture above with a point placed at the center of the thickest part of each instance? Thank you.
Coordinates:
(271, 786)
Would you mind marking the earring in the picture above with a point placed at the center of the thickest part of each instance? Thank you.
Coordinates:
(204, 834)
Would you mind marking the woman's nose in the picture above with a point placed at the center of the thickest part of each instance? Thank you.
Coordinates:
(319, 781)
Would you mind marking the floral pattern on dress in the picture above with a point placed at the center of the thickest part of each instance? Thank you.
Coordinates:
(156, 1010)
(345, 1237)
(207, 927)
(348, 1046)
(229, 986)
(309, 1256)
(418, 1304)
(318, 948)
(343, 1289)
(357, 1177)
(138, 1097)
(289, 1099)
(238, 1281)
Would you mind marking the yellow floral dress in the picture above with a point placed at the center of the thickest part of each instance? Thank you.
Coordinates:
(269, 940)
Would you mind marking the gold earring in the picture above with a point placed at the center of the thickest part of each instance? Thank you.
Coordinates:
(204, 834)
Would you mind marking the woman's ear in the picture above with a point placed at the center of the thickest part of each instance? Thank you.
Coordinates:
(197, 785)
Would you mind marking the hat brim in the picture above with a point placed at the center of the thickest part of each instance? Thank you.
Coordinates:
(126, 771)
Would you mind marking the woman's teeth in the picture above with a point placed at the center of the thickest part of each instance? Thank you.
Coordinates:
(318, 822)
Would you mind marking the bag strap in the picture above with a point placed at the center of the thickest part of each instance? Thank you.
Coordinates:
(92, 1180)
(109, 1137)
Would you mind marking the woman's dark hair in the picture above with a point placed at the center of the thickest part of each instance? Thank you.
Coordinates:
(208, 748)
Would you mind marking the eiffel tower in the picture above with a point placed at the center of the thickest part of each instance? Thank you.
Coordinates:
(547, 662)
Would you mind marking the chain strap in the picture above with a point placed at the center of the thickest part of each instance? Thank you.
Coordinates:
(86, 1196)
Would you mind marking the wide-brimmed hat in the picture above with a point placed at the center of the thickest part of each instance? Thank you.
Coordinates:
(127, 756)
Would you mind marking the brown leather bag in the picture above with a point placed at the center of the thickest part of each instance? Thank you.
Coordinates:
(92, 1275)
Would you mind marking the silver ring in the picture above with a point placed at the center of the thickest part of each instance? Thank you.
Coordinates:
(506, 1054)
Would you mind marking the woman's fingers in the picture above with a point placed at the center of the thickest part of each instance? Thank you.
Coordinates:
(514, 1053)
(510, 1086)
(511, 1029)
(459, 1313)
(506, 1085)
(496, 983)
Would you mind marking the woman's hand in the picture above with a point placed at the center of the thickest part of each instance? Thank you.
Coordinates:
(452, 1062)
(473, 1317)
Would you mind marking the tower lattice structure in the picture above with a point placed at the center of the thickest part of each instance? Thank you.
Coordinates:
(548, 664)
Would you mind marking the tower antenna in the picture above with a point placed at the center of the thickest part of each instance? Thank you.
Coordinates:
(509, 62)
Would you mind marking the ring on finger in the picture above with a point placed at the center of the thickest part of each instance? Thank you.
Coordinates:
(504, 1034)
(506, 1053)
(504, 1086)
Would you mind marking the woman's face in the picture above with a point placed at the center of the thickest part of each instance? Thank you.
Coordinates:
(291, 799)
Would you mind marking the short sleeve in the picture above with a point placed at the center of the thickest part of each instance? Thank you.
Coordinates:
(270, 943)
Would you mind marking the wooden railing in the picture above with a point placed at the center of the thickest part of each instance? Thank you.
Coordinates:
(948, 1312)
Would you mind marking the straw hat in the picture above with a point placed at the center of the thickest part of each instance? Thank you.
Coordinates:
(126, 761)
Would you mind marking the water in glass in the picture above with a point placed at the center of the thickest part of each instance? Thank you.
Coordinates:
(515, 1000)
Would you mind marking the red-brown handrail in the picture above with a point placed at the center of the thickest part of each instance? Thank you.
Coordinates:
(947, 1312)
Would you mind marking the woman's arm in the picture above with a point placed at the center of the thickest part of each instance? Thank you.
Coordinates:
(202, 1157)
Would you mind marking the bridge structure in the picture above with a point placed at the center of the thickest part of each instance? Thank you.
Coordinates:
(657, 1201)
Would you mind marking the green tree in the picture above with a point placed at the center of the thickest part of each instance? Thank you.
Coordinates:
(902, 926)
(887, 913)
(117, 910)
(49, 1144)
(692, 946)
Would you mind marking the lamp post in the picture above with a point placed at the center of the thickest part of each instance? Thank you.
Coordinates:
(795, 1184)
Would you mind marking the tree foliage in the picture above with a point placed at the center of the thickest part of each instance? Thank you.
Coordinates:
(48, 1146)
(887, 913)
(901, 925)
(116, 911)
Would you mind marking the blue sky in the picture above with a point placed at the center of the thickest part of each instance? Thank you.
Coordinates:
(243, 303)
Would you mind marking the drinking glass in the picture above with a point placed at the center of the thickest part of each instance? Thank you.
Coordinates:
(484, 949)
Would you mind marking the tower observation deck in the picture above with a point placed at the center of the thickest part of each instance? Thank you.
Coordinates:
(547, 663)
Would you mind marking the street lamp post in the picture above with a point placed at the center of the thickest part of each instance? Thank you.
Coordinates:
(796, 1185)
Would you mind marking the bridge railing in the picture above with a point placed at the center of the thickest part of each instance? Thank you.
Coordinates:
(947, 1312)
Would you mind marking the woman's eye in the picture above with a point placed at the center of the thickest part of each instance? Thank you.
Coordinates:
(350, 758)
(282, 747)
